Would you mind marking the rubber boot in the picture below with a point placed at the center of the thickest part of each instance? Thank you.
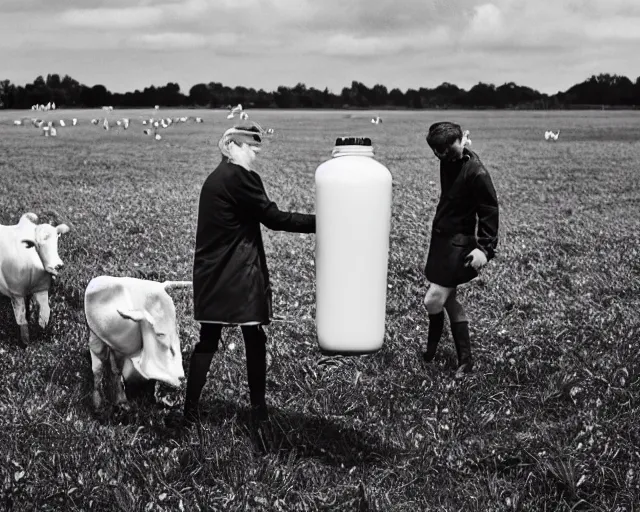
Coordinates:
(198, 370)
(460, 332)
(256, 350)
(436, 324)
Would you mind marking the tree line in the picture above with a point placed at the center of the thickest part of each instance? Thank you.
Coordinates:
(603, 90)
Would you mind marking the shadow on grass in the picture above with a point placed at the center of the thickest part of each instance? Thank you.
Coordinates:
(9, 329)
(331, 442)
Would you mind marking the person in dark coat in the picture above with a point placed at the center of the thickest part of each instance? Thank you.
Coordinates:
(230, 275)
(464, 236)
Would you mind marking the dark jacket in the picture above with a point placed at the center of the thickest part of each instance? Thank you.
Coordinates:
(230, 275)
(468, 199)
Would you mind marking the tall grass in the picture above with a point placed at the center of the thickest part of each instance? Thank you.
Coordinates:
(549, 420)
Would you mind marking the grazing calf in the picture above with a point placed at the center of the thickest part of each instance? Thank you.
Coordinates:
(132, 325)
(28, 262)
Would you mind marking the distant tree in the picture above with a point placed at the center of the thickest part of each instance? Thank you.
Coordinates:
(53, 81)
(482, 95)
(200, 95)
(602, 89)
(396, 97)
(99, 95)
(7, 91)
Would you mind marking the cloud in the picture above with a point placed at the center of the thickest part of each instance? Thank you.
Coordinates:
(349, 45)
(108, 18)
(145, 15)
(168, 41)
(413, 42)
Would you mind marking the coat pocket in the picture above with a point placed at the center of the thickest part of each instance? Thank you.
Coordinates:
(464, 241)
(461, 247)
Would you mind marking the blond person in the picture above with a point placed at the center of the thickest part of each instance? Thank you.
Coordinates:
(231, 284)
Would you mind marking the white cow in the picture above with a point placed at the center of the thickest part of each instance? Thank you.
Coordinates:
(132, 324)
(28, 261)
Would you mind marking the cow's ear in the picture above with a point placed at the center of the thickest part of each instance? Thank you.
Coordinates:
(62, 229)
(132, 314)
(28, 243)
(30, 216)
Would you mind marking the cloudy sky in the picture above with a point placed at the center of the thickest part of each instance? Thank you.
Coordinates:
(130, 44)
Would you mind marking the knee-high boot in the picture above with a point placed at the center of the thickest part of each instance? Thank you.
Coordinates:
(436, 324)
(256, 349)
(460, 332)
(199, 368)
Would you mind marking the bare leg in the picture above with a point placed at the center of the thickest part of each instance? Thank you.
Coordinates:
(454, 309)
(20, 312)
(99, 355)
(435, 300)
(44, 311)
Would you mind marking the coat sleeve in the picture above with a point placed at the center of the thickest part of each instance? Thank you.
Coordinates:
(252, 198)
(488, 212)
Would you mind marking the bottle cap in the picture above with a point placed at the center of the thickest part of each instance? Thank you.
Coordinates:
(353, 141)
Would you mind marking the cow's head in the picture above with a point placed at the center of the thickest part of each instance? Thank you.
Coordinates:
(44, 239)
(161, 356)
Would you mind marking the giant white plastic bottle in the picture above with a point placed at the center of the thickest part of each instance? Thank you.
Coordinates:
(353, 220)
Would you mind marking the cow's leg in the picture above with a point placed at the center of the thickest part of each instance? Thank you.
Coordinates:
(99, 356)
(20, 312)
(117, 361)
(44, 311)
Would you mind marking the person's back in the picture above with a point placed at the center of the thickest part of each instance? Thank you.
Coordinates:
(222, 222)
(230, 275)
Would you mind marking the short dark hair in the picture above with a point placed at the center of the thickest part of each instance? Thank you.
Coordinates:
(443, 133)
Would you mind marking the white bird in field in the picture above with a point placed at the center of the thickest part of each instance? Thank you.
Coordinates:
(157, 107)
(235, 110)
(549, 135)
(105, 124)
(198, 119)
(156, 124)
(376, 120)
(144, 122)
(466, 141)
(62, 123)
(17, 122)
(74, 121)
(94, 121)
(244, 115)
(53, 106)
(45, 131)
(53, 131)
(125, 123)
(158, 136)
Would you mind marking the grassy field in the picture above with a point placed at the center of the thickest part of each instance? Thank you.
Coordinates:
(549, 420)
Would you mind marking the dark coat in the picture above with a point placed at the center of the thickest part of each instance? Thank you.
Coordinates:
(467, 217)
(230, 275)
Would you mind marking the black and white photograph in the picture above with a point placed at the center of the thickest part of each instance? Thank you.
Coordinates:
(277, 255)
